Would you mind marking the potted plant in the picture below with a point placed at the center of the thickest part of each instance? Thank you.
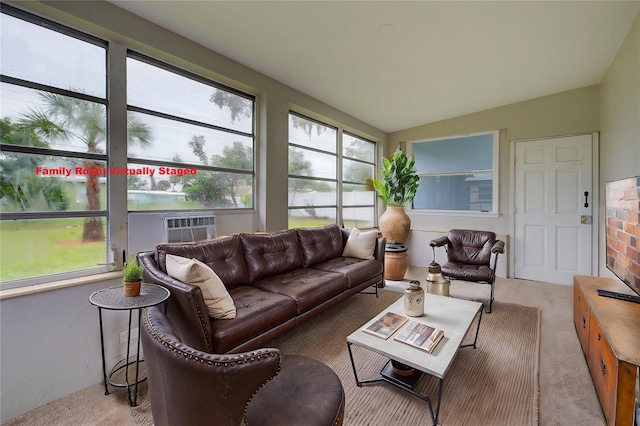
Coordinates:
(132, 277)
(397, 187)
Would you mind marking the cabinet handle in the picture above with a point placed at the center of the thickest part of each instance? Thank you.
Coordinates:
(584, 322)
(603, 367)
(578, 297)
(599, 336)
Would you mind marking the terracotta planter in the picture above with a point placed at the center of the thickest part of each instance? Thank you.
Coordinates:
(132, 289)
(395, 224)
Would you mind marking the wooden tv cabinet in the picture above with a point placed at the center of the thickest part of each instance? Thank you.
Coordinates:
(609, 332)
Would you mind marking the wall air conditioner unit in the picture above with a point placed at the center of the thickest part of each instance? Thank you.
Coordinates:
(188, 228)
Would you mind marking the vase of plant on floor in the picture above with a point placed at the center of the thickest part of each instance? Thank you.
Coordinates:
(132, 277)
(397, 188)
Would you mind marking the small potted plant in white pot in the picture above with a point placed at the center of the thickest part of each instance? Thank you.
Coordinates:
(132, 277)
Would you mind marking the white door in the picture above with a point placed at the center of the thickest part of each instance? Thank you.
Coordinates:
(553, 209)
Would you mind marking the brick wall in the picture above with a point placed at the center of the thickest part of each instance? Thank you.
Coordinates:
(623, 229)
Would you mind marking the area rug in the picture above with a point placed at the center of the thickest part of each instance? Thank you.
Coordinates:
(494, 384)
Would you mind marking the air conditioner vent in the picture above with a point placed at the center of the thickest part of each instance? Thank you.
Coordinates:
(181, 229)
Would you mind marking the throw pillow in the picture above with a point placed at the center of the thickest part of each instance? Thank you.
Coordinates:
(360, 244)
(216, 297)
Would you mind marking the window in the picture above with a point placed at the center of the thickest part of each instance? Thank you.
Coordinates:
(358, 165)
(190, 141)
(457, 173)
(327, 184)
(53, 137)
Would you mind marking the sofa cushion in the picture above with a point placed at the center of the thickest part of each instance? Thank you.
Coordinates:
(320, 243)
(361, 244)
(223, 255)
(307, 287)
(257, 311)
(215, 295)
(267, 255)
(357, 271)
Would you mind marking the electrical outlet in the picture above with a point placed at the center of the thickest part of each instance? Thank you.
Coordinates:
(134, 333)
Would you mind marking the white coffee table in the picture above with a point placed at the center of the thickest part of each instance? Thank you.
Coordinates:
(454, 316)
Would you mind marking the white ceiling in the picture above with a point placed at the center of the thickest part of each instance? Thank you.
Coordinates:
(439, 60)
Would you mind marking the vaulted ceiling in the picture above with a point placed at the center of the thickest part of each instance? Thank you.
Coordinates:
(396, 64)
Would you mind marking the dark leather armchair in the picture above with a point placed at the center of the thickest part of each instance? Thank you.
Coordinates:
(260, 387)
(469, 256)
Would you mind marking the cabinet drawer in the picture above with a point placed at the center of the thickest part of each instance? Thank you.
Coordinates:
(603, 365)
(581, 318)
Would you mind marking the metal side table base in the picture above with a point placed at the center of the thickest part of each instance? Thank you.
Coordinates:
(113, 298)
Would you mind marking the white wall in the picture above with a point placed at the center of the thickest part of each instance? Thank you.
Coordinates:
(620, 122)
(51, 345)
(572, 112)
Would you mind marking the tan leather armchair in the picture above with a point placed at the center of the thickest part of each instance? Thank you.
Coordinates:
(471, 256)
(260, 387)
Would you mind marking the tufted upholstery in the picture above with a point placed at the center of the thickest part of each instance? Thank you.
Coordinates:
(271, 255)
(469, 255)
(261, 387)
(276, 281)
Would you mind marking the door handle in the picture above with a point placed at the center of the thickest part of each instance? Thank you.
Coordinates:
(586, 198)
(585, 219)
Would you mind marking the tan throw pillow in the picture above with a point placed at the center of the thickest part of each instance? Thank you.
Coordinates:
(361, 244)
(216, 297)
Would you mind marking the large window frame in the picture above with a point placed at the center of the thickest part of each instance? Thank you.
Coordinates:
(478, 198)
(341, 209)
(113, 207)
(60, 154)
(205, 168)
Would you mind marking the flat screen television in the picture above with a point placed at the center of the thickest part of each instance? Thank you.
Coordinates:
(622, 230)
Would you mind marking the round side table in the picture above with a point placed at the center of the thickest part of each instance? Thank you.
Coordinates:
(113, 299)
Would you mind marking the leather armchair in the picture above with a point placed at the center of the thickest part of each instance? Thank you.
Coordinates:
(260, 387)
(469, 256)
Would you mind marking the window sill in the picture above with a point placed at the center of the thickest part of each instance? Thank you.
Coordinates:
(56, 285)
(453, 213)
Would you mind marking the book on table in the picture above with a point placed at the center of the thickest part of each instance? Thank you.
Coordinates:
(420, 336)
(386, 325)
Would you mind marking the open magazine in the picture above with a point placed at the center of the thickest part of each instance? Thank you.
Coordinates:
(386, 325)
(420, 336)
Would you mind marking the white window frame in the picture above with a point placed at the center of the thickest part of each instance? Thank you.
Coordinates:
(494, 212)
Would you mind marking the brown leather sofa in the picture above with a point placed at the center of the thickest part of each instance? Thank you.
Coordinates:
(276, 281)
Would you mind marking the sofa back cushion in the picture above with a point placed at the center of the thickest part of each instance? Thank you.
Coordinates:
(271, 254)
(320, 244)
(223, 255)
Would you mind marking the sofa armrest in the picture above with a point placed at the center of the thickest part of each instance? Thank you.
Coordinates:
(439, 242)
(378, 253)
(185, 308)
(498, 247)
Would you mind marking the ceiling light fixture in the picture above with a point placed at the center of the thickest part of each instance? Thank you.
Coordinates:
(384, 28)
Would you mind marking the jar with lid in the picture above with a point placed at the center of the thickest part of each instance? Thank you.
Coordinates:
(414, 300)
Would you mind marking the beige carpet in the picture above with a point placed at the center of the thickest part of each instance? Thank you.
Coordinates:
(495, 384)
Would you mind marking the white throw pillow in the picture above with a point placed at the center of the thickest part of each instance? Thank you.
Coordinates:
(216, 297)
(361, 244)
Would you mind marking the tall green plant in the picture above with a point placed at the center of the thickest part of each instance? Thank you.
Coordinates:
(399, 180)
